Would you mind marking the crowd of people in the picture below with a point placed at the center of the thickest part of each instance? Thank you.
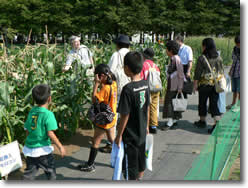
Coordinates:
(131, 101)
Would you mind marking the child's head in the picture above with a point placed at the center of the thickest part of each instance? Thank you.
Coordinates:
(104, 74)
(148, 53)
(172, 48)
(41, 94)
(133, 63)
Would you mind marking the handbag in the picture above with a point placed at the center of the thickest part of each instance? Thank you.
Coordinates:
(179, 104)
(219, 79)
(101, 113)
(188, 86)
(149, 151)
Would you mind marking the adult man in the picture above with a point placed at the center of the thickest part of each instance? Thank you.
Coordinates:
(81, 54)
(116, 65)
(186, 55)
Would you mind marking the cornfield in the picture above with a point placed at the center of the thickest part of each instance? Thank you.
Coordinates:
(23, 67)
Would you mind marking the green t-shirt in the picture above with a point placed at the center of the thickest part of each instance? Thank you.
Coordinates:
(39, 121)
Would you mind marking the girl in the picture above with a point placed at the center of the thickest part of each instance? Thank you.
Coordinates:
(104, 79)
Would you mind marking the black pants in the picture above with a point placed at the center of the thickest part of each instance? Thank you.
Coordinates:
(134, 160)
(208, 92)
(45, 162)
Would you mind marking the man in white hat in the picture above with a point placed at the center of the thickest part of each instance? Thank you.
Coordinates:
(81, 54)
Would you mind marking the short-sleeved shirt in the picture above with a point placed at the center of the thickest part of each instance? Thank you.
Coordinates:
(116, 65)
(185, 53)
(135, 99)
(146, 66)
(39, 121)
(103, 96)
(82, 55)
(235, 69)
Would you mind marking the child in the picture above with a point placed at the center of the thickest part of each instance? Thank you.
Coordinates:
(234, 72)
(148, 65)
(39, 126)
(106, 80)
(133, 108)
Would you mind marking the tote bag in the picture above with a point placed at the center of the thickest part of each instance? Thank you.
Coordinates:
(149, 151)
(179, 104)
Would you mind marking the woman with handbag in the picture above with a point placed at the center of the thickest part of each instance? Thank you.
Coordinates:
(208, 68)
(105, 119)
(175, 79)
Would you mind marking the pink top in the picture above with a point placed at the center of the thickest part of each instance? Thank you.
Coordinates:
(177, 77)
(146, 66)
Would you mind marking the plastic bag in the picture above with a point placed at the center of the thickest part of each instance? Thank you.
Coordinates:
(228, 84)
(117, 155)
(149, 151)
(222, 102)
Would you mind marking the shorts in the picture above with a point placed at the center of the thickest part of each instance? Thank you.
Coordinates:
(45, 162)
(236, 85)
(134, 160)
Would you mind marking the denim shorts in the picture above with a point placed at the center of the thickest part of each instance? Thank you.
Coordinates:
(236, 85)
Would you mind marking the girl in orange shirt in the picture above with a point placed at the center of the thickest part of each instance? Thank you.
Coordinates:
(104, 79)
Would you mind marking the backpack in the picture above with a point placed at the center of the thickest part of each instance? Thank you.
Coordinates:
(154, 80)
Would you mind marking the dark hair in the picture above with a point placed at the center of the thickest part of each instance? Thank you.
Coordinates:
(104, 69)
(41, 93)
(173, 47)
(122, 45)
(210, 48)
(237, 39)
(179, 38)
(134, 60)
(148, 53)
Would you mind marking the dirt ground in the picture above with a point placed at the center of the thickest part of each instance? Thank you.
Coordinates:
(82, 138)
(235, 170)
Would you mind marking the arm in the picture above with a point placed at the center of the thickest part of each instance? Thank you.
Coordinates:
(122, 126)
(96, 85)
(54, 138)
(189, 68)
(195, 86)
(68, 63)
(148, 119)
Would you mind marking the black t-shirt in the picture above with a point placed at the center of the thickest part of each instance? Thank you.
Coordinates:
(135, 99)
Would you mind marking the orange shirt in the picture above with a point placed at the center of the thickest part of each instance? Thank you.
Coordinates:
(103, 96)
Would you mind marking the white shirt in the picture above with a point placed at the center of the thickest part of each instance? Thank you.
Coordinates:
(37, 152)
(185, 53)
(116, 65)
(82, 55)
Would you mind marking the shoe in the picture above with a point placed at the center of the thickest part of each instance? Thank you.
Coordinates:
(86, 168)
(165, 128)
(152, 130)
(200, 124)
(229, 107)
(174, 124)
(210, 131)
(170, 122)
(106, 149)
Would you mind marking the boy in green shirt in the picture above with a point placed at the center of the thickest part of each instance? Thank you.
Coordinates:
(39, 126)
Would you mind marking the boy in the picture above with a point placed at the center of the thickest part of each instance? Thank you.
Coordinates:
(133, 108)
(39, 126)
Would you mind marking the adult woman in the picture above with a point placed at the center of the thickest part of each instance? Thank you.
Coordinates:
(175, 78)
(81, 54)
(204, 82)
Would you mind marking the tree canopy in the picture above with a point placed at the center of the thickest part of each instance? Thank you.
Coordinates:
(108, 17)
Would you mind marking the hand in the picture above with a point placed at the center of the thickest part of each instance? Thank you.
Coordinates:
(195, 89)
(147, 130)
(118, 140)
(62, 151)
(97, 79)
(188, 75)
(179, 91)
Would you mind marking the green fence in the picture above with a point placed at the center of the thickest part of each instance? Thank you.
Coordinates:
(222, 148)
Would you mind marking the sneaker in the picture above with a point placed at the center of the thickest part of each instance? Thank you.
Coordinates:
(200, 124)
(165, 128)
(170, 122)
(106, 149)
(86, 168)
(152, 130)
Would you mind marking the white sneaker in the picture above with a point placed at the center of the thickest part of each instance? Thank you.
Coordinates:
(174, 121)
(170, 122)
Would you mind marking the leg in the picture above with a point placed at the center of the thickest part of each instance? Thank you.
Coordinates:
(47, 163)
(111, 134)
(153, 112)
(31, 169)
(142, 161)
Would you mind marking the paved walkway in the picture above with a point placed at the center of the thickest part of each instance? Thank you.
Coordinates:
(174, 152)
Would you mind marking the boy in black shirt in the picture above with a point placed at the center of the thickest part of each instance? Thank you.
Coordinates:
(133, 108)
